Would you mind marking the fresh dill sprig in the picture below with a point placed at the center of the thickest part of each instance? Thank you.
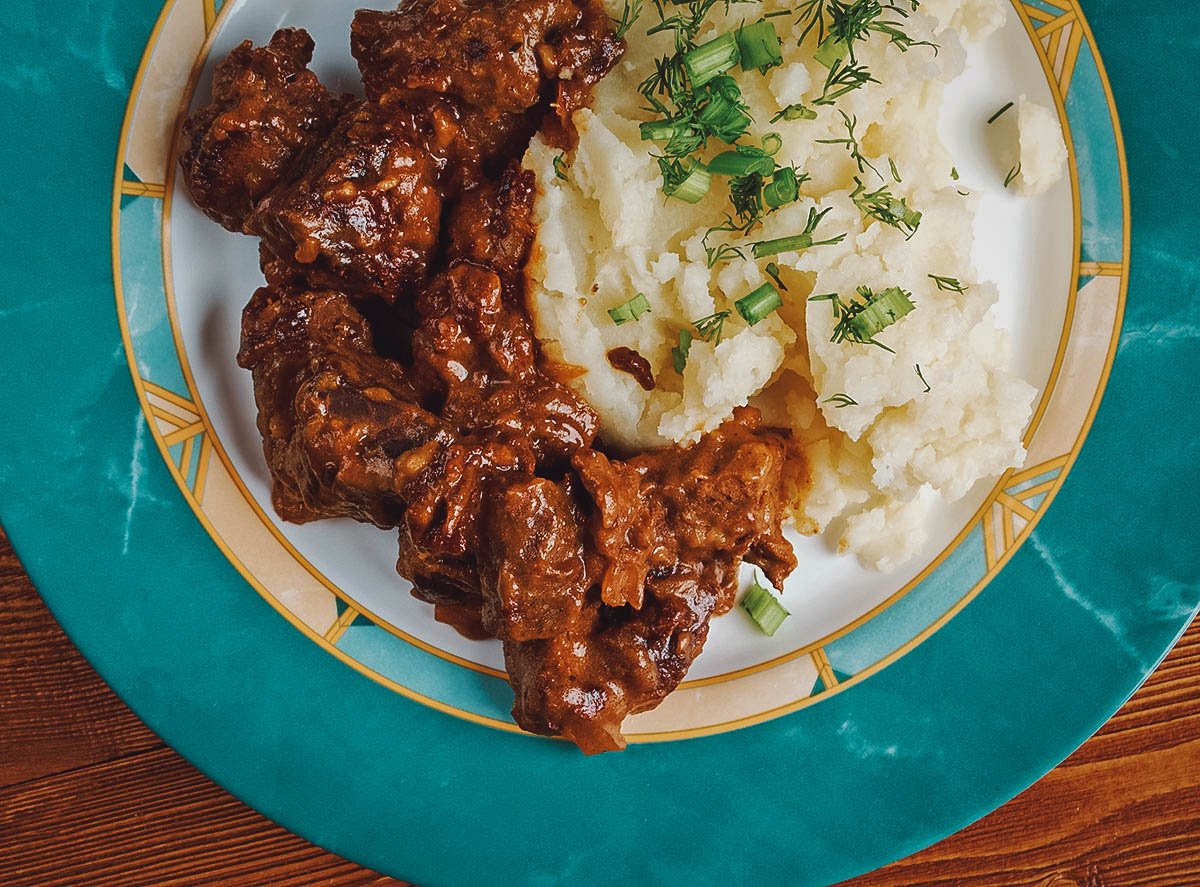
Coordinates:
(841, 401)
(1012, 175)
(948, 284)
(560, 167)
(852, 145)
(882, 205)
(895, 172)
(712, 328)
(999, 113)
(844, 77)
(921, 376)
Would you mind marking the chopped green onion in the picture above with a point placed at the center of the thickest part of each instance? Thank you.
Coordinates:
(954, 173)
(999, 114)
(861, 320)
(758, 304)
(629, 311)
(796, 242)
(880, 311)
(831, 51)
(795, 112)
(895, 172)
(710, 59)
(759, 46)
(763, 607)
(741, 163)
(679, 354)
(724, 118)
(687, 182)
(783, 188)
(771, 143)
(560, 167)
(661, 130)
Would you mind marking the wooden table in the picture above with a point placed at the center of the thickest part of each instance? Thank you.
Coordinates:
(89, 795)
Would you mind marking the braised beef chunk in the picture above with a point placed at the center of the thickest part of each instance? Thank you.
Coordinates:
(364, 214)
(467, 145)
(493, 225)
(489, 53)
(267, 108)
(671, 529)
(337, 420)
(398, 379)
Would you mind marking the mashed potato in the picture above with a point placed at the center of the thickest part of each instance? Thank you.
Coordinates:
(887, 442)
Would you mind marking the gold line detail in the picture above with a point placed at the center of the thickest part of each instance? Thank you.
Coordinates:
(202, 468)
(171, 396)
(142, 189)
(1036, 491)
(824, 668)
(185, 460)
(181, 434)
(1074, 42)
(1038, 470)
(1039, 14)
(1053, 24)
(210, 15)
(1016, 505)
(989, 537)
(335, 631)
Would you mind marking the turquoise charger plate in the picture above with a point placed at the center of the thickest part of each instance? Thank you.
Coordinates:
(966, 718)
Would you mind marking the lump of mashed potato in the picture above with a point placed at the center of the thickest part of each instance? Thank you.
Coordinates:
(890, 431)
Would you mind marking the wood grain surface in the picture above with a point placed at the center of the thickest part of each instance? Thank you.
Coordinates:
(88, 795)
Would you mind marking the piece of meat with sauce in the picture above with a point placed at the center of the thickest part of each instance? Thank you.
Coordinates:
(489, 53)
(670, 528)
(364, 214)
(267, 109)
(467, 145)
(338, 421)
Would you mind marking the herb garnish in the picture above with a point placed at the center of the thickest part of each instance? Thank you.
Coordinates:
(884, 206)
(630, 311)
(1012, 174)
(841, 401)
(797, 242)
(921, 376)
(712, 328)
(948, 284)
(758, 304)
(679, 354)
(852, 145)
(999, 114)
(861, 320)
(795, 112)
(764, 608)
(560, 167)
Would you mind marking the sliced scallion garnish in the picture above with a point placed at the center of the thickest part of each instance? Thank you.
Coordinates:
(759, 46)
(688, 181)
(679, 354)
(758, 304)
(741, 163)
(630, 311)
(783, 188)
(710, 59)
(797, 242)
(764, 608)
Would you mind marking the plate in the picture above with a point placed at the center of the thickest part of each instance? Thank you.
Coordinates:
(967, 718)
(1058, 259)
